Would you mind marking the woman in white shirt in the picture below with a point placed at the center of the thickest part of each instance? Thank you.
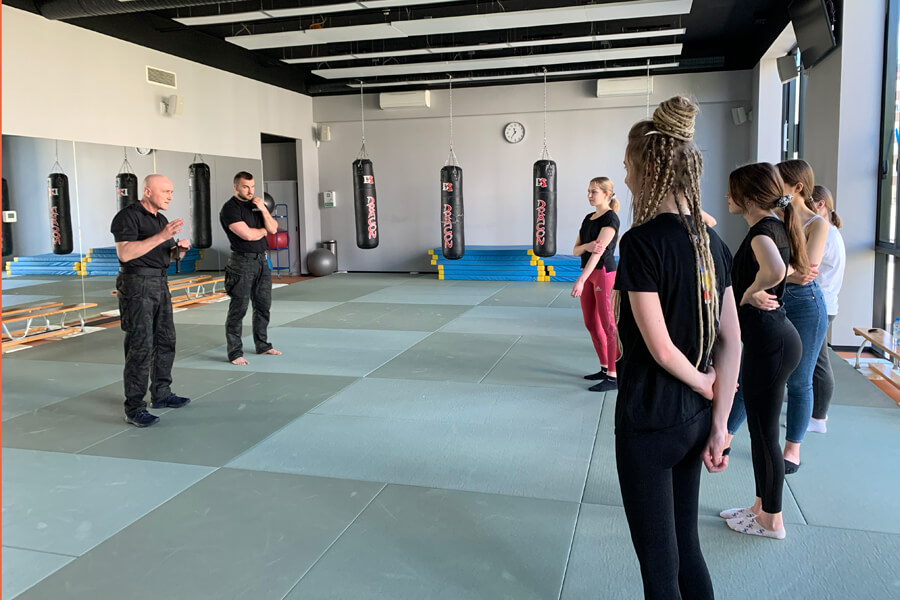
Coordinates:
(831, 275)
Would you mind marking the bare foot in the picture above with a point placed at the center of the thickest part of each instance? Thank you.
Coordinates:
(272, 351)
(240, 360)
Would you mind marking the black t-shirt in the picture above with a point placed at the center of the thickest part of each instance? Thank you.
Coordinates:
(590, 230)
(657, 257)
(135, 223)
(237, 210)
(745, 264)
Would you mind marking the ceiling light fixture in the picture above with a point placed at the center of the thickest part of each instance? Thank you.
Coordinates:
(502, 20)
(485, 47)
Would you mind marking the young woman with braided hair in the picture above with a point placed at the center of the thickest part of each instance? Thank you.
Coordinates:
(600, 230)
(805, 307)
(677, 315)
(772, 346)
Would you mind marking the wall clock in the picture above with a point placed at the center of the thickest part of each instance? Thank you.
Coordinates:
(514, 132)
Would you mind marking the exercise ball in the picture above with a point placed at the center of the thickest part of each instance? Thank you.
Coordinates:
(269, 201)
(277, 241)
(321, 262)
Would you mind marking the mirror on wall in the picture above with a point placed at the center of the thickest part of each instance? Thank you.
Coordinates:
(59, 250)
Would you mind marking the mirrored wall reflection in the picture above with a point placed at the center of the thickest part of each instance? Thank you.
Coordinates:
(49, 265)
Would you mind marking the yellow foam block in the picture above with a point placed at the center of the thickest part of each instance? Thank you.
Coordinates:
(431, 251)
(531, 253)
(441, 275)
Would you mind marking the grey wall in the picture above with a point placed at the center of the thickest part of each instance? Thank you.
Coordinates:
(586, 137)
(91, 169)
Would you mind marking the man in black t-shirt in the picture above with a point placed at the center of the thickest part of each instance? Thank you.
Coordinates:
(246, 221)
(145, 246)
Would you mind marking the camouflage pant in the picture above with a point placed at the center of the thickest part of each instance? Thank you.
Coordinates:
(145, 306)
(247, 278)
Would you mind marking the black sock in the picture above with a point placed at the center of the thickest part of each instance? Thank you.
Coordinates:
(607, 385)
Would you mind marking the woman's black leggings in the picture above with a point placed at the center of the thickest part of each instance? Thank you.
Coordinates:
(659, 474)
(772, 350)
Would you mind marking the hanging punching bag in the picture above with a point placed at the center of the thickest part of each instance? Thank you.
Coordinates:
(126, 189)
(201, 223)
(364, 204)
(544, 240)
(60, 213)
(453, 239)
(7, 227)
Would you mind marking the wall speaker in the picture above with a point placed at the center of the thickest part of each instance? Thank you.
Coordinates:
(739, 115)
(323, 133)
(787, 67)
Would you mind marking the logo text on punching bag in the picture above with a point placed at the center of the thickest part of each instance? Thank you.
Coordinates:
(54, 225)
(373, 222)
(447, 223)
(368, 178)
(123, 192)
(540, 222)
(447, 186)
(540, 182)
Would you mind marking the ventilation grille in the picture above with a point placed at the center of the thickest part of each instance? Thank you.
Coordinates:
(160, 77)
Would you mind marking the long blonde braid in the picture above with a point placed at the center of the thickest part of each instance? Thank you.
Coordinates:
(662, 150)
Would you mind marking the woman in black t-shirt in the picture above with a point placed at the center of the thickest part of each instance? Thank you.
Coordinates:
(599, 230)
(772, 345)
(676, 316)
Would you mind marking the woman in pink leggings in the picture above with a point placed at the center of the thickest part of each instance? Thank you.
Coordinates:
(599, 232)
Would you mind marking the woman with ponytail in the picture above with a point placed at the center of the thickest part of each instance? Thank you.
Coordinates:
(772, 345)
(677, 317)
(598, 263)
(831, 275)
(805, 307)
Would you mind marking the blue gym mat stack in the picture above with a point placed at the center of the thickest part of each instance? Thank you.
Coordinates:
(98, 261)
(505, 263)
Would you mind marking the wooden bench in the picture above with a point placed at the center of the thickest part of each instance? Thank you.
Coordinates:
(198, 284)
(886, 373)
(879, 338)
(45, 314)
(40, 336)
(18, 311)
(882, 340)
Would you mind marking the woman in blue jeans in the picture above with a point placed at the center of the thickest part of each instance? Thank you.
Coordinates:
(805, 307)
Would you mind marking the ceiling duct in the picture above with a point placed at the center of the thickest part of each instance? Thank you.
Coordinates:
(75, 9)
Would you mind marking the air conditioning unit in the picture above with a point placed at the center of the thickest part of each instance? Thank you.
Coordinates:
(420, 99)
(625, 86)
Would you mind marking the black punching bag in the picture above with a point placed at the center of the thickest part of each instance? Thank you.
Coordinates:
(544, 240)
(364, 203)
(7, 227)
(201, 223)
(127, 189)
(453, 239)
(60, 213)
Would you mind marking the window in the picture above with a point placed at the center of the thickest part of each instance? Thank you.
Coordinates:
(887, 249)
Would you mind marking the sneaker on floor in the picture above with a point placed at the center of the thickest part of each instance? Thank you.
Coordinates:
(141, 419)
(750, 526)
(172, 401)
(596, 376)
(607, 385)
(736, 513)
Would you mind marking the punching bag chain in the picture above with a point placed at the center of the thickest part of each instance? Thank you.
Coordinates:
(451, 159)
(56, 167)
(362, 120)
(545, 153)
(126, 166)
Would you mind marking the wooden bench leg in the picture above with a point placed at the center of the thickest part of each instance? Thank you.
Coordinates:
(859, 353)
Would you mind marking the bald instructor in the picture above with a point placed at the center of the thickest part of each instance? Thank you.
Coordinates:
(145, 247)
